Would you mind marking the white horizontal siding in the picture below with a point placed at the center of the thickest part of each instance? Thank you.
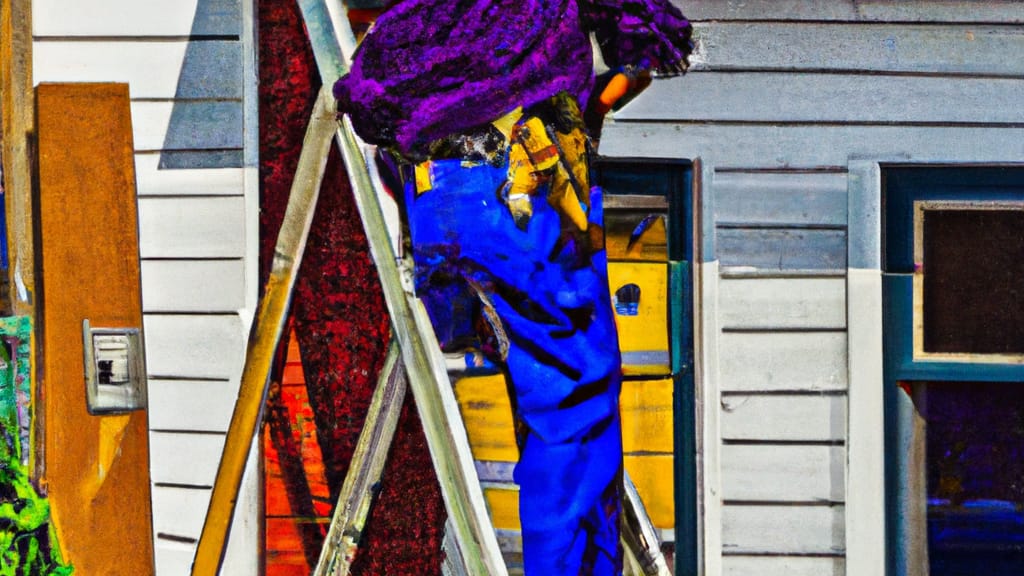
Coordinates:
(136, 18)
(193, 285)
(780, 198)
(766, 473)
(789, 303)
(184, 125)
(152, 180)
(151, 69)
(782, 566)
(178, 511)
(782, 529)
(784, 418)
(186, 459)
(191, 405)
(790, 361)
(194, 346)
(192, 227)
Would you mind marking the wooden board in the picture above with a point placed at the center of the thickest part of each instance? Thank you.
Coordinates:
(193, 285)
(487, 413)
(778, 250)
(808, 146)
(782, 529)
(188, 125)
(952, 49)
(155, 180)
(774, 473)
(643, 337)
(784, 418)
(789, 303)
(133, 18)
(189, 347)
(855, 10)
(191, 405)
(646, 409)
(828, 98)
(783, 566)
(780, 198)
(192, 227)
(96, 466)
(186, 459)
(792, 361)
(172, 69)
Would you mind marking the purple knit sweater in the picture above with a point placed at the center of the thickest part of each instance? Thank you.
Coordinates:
(430, 68)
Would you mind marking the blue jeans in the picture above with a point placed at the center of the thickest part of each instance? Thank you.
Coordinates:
(555, 334)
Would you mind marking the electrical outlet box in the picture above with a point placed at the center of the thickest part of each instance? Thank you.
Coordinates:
(115, 369)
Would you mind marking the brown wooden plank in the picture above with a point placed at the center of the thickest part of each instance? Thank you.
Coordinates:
(97, 467)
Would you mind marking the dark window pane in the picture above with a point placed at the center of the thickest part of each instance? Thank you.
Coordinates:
(974, 281)
(975, 467)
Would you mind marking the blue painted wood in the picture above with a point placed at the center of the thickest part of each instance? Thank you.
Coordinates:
(903, 186)
(780, 198)
(782, 249)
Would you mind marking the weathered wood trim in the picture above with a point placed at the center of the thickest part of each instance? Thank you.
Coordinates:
(811, 146)
(793, 96)
(865, 484)
(17, 105)
(951, 50)
(707, 380)
(1006, 11)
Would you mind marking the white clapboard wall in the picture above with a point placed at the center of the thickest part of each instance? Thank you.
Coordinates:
(190, 67)
(782, 98)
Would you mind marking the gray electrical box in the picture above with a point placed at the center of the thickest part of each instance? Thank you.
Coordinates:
(115, 369)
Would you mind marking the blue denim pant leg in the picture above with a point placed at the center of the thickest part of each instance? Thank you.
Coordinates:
(562, 355)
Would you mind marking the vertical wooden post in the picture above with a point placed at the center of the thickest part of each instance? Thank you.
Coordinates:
(98, 464)
(16, 103)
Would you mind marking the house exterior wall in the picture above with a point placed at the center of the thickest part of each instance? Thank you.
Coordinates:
(190, 67)
(794, 108)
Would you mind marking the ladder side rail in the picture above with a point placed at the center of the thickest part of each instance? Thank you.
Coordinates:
(265, 334)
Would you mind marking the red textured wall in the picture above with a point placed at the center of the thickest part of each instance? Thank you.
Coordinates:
(338, 311)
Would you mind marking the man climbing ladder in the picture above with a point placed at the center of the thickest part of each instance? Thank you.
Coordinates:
(481, 100)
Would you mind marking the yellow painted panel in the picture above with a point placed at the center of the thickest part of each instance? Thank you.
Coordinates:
(643, 338)
(619, 225)
(504, 506)
(653, 477)
(646, 408)
(487, 413)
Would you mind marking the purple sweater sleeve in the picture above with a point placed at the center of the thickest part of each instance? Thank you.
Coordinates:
(652, 34)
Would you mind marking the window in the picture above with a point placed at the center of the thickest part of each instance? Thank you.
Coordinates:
(953, 293)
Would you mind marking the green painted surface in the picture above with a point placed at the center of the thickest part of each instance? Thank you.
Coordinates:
(28, 543)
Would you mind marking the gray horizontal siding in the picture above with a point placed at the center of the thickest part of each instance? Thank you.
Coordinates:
(1008, 11)
(991, 50)
(829, 98)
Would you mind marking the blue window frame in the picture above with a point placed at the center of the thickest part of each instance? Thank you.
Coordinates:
(954, 405)
(668, 187)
